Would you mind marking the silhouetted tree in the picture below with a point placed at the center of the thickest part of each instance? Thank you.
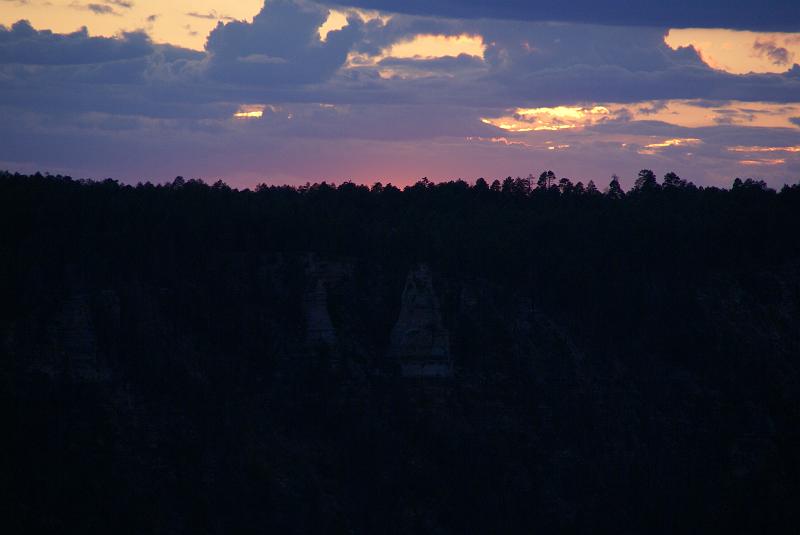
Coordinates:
(546, 179)
(521, 187)
(615, 191)
(752, 184)
(646, 181)
(672, 180)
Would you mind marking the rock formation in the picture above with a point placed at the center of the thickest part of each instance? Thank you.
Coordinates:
(419, 340)
(319, 328)
(321, 274)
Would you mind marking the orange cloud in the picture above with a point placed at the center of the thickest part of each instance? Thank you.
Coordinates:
(741, 148)
(763, 161)
(652, 148)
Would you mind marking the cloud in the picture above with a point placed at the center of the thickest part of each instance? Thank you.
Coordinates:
(106, 8)
(98, 9)
(211, 15)
(71, 74)
(612, 66)
(120, 106)
(523, 64)
(531, 64)
(777, 54)
(767, 15)
(22, 44)
(447, 65)
(125, 4)
(286, 32)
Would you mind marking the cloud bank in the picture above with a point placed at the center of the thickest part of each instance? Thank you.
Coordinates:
(391, 96)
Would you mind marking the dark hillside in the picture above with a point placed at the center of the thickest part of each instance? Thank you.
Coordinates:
(445, 358)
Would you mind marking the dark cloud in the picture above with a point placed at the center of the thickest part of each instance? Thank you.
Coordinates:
(778, 55)
(76, 73)
(732, 116)
(614, 83)
(767, 15)
(22, 44)
(106, 8)
(518, 49)
(544, 64)
(447, 64)
(98, 9)
(211, 15)
(534, 63)
(795, 121)
(280, 46)
(125, 4)
(653, 108)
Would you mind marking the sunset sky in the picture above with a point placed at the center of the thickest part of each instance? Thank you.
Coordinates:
(293, 90)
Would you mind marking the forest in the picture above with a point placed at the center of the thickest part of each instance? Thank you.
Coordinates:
(191, 358)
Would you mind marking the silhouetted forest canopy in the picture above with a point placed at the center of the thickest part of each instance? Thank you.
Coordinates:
(188, 357)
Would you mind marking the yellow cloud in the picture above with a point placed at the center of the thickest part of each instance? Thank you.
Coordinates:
(251, 111)
(677, 142)
(550, 119)
(739, 52)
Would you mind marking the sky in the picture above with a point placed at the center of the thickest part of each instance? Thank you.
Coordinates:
(296, 91)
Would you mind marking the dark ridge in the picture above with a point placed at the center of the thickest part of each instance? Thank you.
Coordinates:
(530, 355)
